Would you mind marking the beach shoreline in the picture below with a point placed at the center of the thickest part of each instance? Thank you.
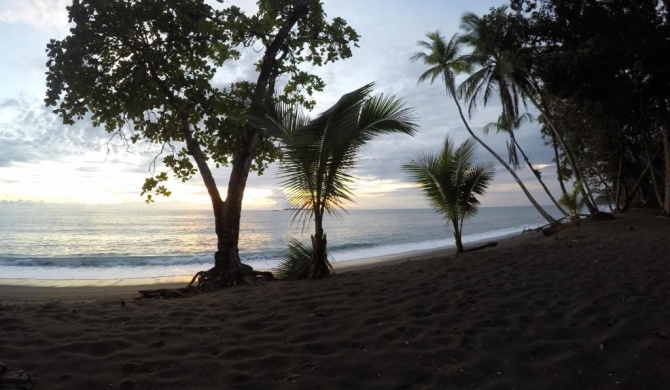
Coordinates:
(92, 289)
(588, 307)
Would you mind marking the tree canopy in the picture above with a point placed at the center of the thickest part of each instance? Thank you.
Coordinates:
(598, 65)
(146, 70)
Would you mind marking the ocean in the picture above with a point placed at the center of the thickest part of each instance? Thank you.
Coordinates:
(58, 242)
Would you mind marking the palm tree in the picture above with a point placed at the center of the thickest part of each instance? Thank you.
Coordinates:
(500, 67)
(503, 125)
(445, 61)
(495, 68)
(573, 202)
(318, 155)
(451, 180)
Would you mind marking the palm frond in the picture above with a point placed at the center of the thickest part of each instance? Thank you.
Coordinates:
(295, 265)
(500, 69)
(277, 119)
(443, 58)
(573, 201)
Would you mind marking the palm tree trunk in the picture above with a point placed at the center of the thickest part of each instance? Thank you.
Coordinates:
(532, 200)
(659, 198)
(457, 237)
(666, 147)
(319, 266)
(608, 190)
(574, 165)
(619, 185)
(559, 174)
(537, 176)
(631, 195)
(665, 130)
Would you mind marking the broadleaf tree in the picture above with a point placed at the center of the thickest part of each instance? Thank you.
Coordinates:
(145, 69)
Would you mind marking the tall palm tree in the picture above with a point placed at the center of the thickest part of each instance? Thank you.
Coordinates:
(445, 61)
(500, 67)
(451, 180)
(319, 154)
(503, 125)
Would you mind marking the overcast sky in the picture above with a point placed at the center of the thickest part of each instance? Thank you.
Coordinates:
(42, 160)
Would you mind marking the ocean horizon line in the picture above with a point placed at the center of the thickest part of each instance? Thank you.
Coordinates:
(175, 207)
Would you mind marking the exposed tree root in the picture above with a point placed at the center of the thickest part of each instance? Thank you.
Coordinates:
(212, 280)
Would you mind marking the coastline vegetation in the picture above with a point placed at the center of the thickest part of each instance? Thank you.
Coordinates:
(145, 70)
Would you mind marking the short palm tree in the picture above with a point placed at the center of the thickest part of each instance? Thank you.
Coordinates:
(445, 61)
(319, 154)
(452, 180)
(574, 202)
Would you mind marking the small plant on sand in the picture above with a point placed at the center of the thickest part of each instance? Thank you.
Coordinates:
(451, 180)
(573, 202)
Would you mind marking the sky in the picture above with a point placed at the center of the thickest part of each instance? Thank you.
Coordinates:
(44, 161)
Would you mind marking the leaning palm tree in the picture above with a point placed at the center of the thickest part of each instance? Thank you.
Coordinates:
(503, 125)
(445, 61)
(451, 180)
(499, 67)
(319, 154)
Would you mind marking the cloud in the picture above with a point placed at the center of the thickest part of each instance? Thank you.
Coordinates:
(44, 15)
(32, 138)
(30, 132)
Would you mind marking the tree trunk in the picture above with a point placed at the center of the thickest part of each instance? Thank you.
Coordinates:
(659, 197)
(619, 185)
(457, 237)
(631, 195)
(574, 164)
(459, 242)
(666, 149)
(532, 200)
(557, 157)
(227, 214)
(227, 218)
(608, 191)
(538, 177)
(319, 266)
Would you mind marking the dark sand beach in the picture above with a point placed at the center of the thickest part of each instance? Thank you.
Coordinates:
(588, 308)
